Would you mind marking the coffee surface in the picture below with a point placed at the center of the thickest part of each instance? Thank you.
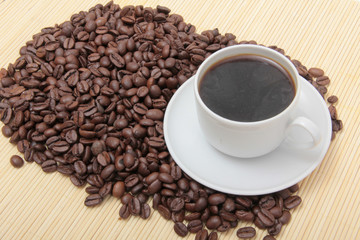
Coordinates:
(246, 88)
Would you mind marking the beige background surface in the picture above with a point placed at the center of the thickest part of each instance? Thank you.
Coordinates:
(326, 34)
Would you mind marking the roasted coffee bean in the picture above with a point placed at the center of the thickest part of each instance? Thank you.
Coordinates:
(77, 181)
(180, 229)
(71, 136)
(65, 169)
(60, 146)
(125, 199)
(134, 206)
(213, 236)
(267, 202)
(192, 216)
(124, 211)
(269, 237)
(92, 190)
(145, 211)
(16, 161)
(276, 211)
(7, 131)
(201, 204)
(332, 99)
(316, 72)
(275, 229)
(194, 226)
(213, 222)
(177, 204)
(216, 198)
(285, 217)
(118, 189)
(165, 178)
(244, 201)
(49, 166)
(259, 223)
(228, 216)
(292, 202)
(93, 200)
(266, 217)
(164, 211)
(107, 171)
(202, 235)
(80, 167)
(246, 232)
(229, 205)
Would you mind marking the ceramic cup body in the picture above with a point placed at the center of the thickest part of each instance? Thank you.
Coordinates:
(249, 139)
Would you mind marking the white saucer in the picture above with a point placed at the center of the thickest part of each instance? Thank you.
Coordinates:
(275, 171)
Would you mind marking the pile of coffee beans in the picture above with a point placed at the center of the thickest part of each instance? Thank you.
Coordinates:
(87, 97)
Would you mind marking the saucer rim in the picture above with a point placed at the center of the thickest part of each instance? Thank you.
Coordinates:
(325, 142)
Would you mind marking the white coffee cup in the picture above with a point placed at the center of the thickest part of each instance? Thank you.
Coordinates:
(252, 139)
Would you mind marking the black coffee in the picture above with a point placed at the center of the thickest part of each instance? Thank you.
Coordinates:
(247, 88)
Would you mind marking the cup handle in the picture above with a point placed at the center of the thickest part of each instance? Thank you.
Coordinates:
(307, 125)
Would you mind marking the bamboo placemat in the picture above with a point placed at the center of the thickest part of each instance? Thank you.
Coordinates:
(325, 34)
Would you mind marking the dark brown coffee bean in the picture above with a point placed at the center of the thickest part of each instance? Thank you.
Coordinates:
(93, 200)
(201, 204)
(177, 204)
(202, 235)
(246, 232)
(269, 237)
(276, 211)
(294, 188)
(103, 159)
(285, 217)
(92, 190)
(194, 226)
(155, 114)
(231, 217)
(216, 198)
(107, 171)
(65, 169)
(213, 222)
(259, 223)
(117, 60)
(7, 131)
(118, 189)
(213, 236)
(292, 202)
(180, 229)
(126, 198)
(124, 211)
(332, 99)
(16, 161)
(77, 181)
(316, 72)
(229, 205)
(322, 81)
(80, 167)
(60, 146)
(145, 211)
(192, 216)
(275, 229)
(165, 178)
(244, 201)
(267, 202)
(134, 206)
(266, 217)
(71, 136)
(164, 212)
(49, 166)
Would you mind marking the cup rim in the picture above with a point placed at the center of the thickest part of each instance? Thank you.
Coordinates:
(291, 70)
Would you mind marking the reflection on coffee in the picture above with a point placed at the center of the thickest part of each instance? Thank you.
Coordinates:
(247, 88)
